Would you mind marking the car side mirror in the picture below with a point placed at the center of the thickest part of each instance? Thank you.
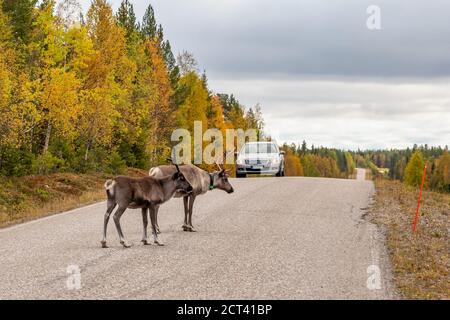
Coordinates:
(282, 153)
(236, 153)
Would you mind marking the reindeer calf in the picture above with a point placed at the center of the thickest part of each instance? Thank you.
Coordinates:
(145, 193)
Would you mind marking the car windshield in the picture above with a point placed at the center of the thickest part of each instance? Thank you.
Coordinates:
(260, 148)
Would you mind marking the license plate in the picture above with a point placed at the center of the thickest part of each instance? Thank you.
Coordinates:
(257, 167)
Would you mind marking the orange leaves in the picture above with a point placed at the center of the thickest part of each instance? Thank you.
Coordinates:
(293, 166)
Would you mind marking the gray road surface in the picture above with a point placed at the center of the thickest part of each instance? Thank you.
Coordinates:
(360, 174)
(273, 238)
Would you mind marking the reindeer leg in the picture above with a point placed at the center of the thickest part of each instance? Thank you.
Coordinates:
(155, 234)
(117, 216)
(156, 219)
(110, 207)
(186, 212)
(191, 207)
(144, 223)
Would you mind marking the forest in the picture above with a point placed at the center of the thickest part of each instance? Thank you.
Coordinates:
(97, 92)
(102, 91)
(408, 165)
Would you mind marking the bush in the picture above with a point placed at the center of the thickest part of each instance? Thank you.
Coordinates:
(15, 162)
(46, 164)
(42, 193)
(115, 164)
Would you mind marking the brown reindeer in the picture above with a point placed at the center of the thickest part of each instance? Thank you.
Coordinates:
(147, 193)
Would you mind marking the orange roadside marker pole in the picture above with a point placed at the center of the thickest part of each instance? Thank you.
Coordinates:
(416, 218)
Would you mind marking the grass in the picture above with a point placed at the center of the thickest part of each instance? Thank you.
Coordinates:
(27, 198)
(421, 261)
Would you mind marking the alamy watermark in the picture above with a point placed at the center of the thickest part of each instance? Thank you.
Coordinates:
(210, 146)
(373, 22)
(374, 279)
(73, 281)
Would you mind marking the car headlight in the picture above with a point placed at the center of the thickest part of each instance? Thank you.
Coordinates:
(240, 161)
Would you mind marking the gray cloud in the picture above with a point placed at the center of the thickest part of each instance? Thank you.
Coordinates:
(309, 37)
(350, 114)
(318, 72)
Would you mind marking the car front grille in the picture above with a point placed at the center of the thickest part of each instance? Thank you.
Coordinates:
(257, 162)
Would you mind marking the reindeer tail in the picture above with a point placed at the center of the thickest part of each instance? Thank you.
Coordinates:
(109, 187)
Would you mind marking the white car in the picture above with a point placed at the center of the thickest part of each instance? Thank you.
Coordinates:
(260, 158)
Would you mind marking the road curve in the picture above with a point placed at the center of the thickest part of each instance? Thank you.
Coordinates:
(291, 238)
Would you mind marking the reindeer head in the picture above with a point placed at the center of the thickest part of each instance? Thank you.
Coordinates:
(181, 184)
(220, 179)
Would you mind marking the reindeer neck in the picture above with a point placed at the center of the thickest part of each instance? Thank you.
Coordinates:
(168, 186)
(211, 180)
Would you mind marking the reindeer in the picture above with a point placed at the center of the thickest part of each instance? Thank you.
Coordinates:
(201, 182)
(147, 193)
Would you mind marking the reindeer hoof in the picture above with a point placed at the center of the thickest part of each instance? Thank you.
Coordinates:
(189, 228)
(145, 242)
(159, 243)
(125, 245)
(103, 244)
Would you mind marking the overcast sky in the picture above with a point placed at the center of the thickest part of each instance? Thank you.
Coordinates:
(318, 72)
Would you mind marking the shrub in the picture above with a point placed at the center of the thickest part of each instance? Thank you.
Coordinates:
(15, 162)
(47, 163)
(42, 194)
(115, 164)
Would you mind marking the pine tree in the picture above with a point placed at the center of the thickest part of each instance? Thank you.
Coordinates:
(304, 148)
(126, 18)
(171, 63)
(160, 34)
(414, 170)
(149, 27)
(21, 14)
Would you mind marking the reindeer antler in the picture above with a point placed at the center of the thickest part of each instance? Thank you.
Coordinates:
(218, 165)
(225, 154)
(176, 165)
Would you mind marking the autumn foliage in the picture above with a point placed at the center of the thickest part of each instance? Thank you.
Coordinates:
(98, 91)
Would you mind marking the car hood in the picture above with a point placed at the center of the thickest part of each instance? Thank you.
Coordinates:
(259, 156)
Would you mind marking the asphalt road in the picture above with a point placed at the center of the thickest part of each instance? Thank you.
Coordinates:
(360, 174)
(291, 238)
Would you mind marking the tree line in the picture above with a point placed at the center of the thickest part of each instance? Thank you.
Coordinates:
(301, 160)
(97, 91)
(408, 165)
